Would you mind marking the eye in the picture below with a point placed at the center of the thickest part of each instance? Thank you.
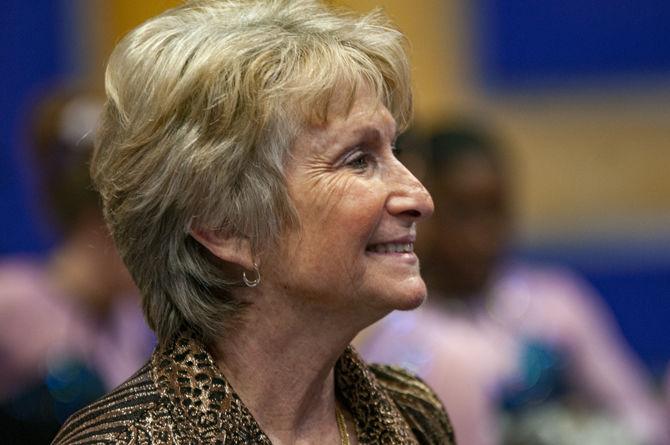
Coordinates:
(397, 151)
(359, 161)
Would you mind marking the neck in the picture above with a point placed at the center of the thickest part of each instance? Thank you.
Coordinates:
(280, 361)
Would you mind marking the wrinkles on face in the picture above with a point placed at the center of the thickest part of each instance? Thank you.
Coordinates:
(325, 194)
(320, 159)
(328, 184)
(348, 190)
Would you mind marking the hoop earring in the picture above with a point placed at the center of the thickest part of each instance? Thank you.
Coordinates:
(255, 281)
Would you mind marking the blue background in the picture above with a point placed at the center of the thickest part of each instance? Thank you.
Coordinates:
(525, 43)
(33, 56)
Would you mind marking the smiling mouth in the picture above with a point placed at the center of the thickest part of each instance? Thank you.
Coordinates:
(391, 248)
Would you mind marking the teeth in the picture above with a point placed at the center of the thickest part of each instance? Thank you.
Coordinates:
(393, 248)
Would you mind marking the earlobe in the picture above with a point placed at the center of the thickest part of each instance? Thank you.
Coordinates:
(232, 249)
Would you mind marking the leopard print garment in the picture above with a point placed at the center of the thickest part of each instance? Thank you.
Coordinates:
(180, 397)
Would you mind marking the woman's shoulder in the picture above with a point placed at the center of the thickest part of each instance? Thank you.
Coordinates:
(126, 415)
(417, 402)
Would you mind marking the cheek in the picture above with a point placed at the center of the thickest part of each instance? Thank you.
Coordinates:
(335, 227)
(340, 212)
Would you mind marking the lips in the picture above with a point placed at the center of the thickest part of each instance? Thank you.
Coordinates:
(391, 248)
(402, 244)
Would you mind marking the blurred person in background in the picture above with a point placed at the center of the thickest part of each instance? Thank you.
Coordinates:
(70, 323)
(520, 354)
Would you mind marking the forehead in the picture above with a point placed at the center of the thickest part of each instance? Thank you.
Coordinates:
(347, 120)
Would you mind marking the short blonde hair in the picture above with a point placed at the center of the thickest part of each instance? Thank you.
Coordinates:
(200, 117)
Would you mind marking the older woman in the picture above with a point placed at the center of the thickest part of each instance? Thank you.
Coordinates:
(246, 165)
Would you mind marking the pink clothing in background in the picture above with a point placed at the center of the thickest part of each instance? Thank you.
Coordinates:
(467, 353)
(39, 327)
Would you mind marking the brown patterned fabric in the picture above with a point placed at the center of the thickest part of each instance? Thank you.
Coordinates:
(180, 397)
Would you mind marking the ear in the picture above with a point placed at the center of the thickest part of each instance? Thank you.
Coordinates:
(232, 249)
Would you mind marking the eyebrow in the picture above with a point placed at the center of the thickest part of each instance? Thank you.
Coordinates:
(368, 132)
(371, 132)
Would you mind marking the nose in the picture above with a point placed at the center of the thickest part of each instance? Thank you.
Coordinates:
(408, 198)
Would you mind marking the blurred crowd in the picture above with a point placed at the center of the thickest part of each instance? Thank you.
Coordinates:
(71, 328)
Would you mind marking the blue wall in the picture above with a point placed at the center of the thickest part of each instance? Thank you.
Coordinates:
(32, 56)
(526, 43)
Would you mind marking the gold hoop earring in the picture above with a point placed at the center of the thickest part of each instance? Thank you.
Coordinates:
(255, 281)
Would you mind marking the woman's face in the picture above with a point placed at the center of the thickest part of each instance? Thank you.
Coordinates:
(358, 207)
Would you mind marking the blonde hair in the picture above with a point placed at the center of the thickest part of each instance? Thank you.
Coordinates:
(204, 103)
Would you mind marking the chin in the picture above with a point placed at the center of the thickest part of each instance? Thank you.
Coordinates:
(412, 303)
(398, 302)
(411, 297)
(386, 296)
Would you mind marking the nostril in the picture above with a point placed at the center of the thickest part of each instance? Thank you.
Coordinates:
(414, 213)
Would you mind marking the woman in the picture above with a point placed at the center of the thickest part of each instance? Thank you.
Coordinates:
(246, 165)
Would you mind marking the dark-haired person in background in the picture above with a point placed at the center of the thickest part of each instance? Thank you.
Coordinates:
(70, 323)
(499, 335)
